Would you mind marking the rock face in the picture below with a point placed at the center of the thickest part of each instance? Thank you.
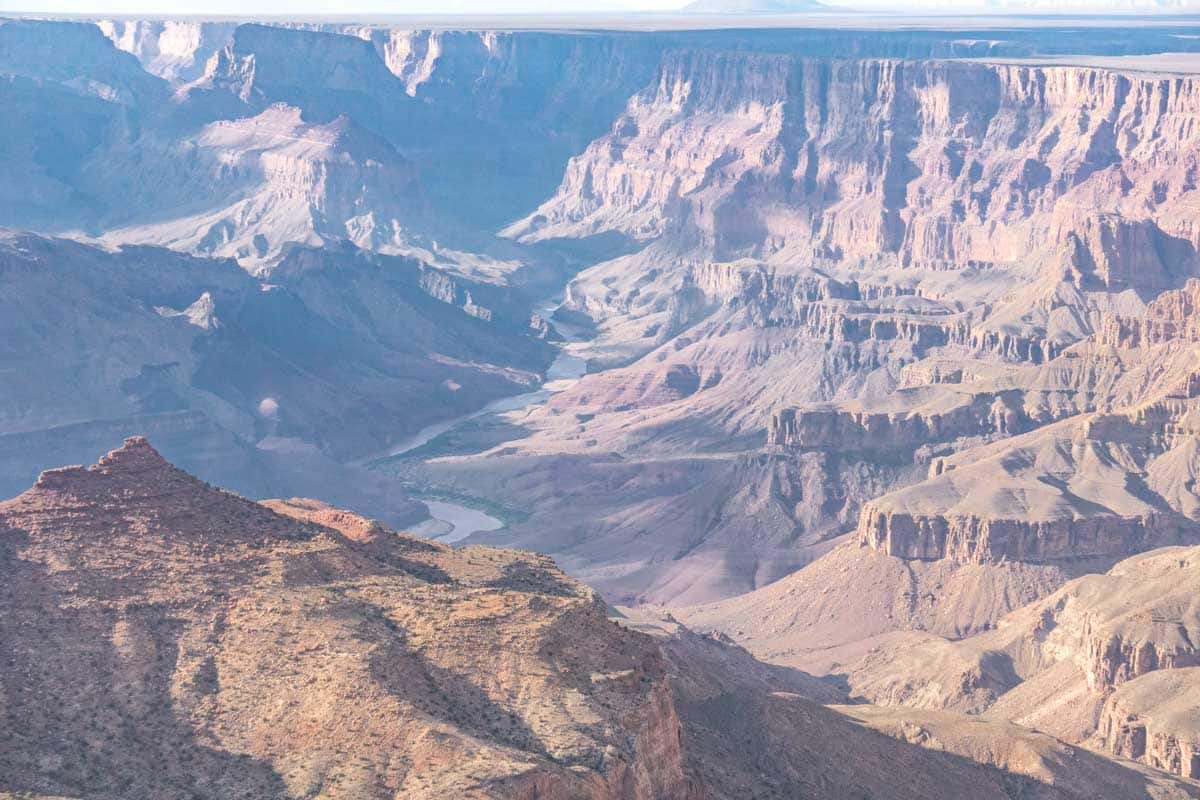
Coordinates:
(1062, 491)
(1154, 719)
(167, 638)
(929, 193)
(970, 539)
(1169, 317)
(175, 50)
(1107, 658)
(276, 181)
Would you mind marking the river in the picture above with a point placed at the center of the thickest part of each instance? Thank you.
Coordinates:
(450, 521)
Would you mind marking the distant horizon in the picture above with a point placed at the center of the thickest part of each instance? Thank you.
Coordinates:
(322, 9)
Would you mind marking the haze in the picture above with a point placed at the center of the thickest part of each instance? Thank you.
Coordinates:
(600, 406)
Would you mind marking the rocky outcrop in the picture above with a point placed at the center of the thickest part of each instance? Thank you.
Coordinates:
(775, 292)
(1118, 657)
(298, 643)
(1155, 719)
(273, 181)
(1093, 642)
(972, 539)
(983, 414)
(1086, 486)
(175, 50)
(1170, 317)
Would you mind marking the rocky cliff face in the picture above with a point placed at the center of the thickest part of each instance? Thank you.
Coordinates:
(764, 167)
(1170, 317)
(1120, 646)
(175, 50)
(972, 539)
(1044, 178)
(272, 181)
(965, 511)
(983, 414)
(1153, 719)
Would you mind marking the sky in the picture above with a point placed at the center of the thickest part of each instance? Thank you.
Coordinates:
(365, 8)
(346, 7)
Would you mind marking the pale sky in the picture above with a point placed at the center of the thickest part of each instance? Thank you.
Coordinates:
(368, 8)
(323, 7)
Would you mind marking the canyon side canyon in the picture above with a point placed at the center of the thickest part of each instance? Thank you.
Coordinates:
(686, 413)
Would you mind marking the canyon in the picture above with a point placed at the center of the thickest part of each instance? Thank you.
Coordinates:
(286, 648)
(867, 404)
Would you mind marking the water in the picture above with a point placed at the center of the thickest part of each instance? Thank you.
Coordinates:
(566, 369)
(452, 522)
(563, 373)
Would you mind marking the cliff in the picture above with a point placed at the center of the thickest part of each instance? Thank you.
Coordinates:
(1170, 317)
(1120, 645)
(1154, 720)
(1041, 188)
(765, 167)
(175, 50)
(982, 414)
(977, 539)
(270, 182)
(1089, 485)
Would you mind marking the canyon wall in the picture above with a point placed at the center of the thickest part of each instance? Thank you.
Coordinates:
(932, 165)
(1153, 719)
(1120, 645)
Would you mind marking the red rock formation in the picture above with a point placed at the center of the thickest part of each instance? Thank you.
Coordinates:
(164, 638)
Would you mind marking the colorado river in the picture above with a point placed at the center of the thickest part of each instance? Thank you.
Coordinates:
(451, 522)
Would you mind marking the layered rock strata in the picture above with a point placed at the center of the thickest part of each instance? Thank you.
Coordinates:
(1155, 719)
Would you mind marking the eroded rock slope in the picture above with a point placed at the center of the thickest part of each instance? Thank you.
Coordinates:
(167, 638)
